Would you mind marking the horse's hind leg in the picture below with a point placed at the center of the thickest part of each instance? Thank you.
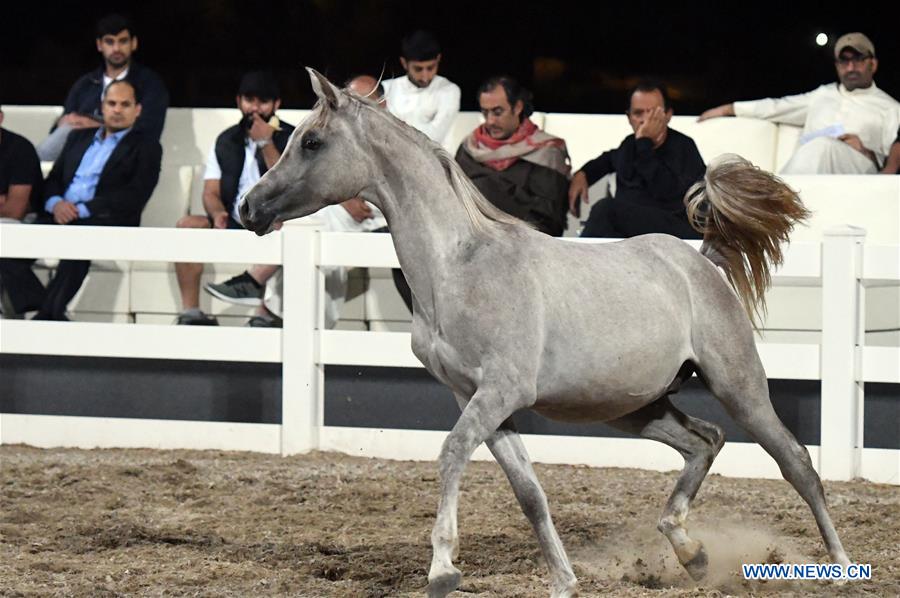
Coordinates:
(698, 442)
(507, 447)
(746, 398)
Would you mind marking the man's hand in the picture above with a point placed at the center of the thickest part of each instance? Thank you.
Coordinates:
(578, 189)
(856, 143)
(65, 212)
(723, 110)
(654, 127)
(358, 208)
(260, 131)
(220, 220)
(78, 121)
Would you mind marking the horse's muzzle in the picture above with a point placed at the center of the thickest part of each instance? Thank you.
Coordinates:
(256, 220)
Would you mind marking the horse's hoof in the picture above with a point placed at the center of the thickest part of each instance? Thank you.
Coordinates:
(696, 567)
(444, 583)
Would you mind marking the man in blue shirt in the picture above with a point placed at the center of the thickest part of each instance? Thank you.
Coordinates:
(103, 177)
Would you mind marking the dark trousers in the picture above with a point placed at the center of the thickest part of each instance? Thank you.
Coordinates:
(622, 219)
(25, 291)
(399, 279)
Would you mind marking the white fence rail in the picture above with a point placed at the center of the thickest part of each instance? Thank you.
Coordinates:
(842, 264)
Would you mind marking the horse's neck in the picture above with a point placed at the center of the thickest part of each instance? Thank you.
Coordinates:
(428, 223)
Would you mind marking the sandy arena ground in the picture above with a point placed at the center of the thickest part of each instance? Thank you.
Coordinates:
(185, 523)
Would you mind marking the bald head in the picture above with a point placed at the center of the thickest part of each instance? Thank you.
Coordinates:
(367, 87)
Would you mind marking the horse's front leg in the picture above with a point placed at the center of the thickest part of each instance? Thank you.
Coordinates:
(484, 413)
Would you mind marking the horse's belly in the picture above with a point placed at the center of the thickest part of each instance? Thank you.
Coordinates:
(595, 407)
(609, 384)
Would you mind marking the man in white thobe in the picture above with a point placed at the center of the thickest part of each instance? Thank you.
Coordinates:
(848, 127)
(422, 98)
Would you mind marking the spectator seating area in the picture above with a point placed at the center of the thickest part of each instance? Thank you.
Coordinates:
(148, 293)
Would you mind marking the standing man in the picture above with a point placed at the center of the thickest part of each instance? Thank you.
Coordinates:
(654, 168)
(848, 126)
(103, 177)
(516, 166)
(116, 42)
(239, 157)
(422, 98)
(20, 174)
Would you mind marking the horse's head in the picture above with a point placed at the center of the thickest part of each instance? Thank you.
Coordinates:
(325, 162)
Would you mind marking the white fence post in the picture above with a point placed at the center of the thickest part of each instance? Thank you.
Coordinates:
(841, 429)
(300, 380)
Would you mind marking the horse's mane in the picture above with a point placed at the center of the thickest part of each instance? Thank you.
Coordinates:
(478, 208)
(480, 211)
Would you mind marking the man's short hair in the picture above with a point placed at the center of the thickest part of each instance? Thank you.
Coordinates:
(259, 84)
(648, 85)
(113, 23)
(420, 45)
(134, 88)
(514, 93)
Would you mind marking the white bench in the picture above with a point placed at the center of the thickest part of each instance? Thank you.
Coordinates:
(115, 291)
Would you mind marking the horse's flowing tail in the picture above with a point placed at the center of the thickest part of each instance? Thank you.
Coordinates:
(744, 213)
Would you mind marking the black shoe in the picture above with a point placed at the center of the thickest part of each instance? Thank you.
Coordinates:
(196, 319)
(271, 321)
(241, 289)
(50, 317)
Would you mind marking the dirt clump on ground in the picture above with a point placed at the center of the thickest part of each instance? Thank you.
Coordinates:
(211, 523)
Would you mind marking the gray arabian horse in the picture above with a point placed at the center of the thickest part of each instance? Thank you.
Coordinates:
(497, 314)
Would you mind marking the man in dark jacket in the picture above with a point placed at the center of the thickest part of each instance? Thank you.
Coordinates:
(654, 168)
(116, 42)
(241, 154)
(104, 177)
(516, 166)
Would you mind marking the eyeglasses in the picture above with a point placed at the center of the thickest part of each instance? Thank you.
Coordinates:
(857, 59)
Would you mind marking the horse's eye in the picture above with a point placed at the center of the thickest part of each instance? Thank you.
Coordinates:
(311, 142)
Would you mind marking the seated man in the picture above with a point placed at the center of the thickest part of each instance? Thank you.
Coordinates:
(353, 215)
(654, 168)
(892, 165)
(421, 98)
(116, 42)
(103, 177)
(20, 175)
(239, 157)
(517, 167)
(848, 127)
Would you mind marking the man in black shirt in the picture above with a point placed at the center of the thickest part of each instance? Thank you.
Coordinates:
(20, 174)
(654, 168)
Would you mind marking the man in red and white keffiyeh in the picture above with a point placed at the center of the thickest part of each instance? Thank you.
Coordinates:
(519, 168)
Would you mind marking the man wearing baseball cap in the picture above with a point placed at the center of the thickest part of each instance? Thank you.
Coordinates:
(848, 127)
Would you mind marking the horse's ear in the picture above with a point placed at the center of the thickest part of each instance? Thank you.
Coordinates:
(325, 89)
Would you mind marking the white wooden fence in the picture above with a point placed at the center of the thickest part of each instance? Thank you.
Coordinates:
(843, 264)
